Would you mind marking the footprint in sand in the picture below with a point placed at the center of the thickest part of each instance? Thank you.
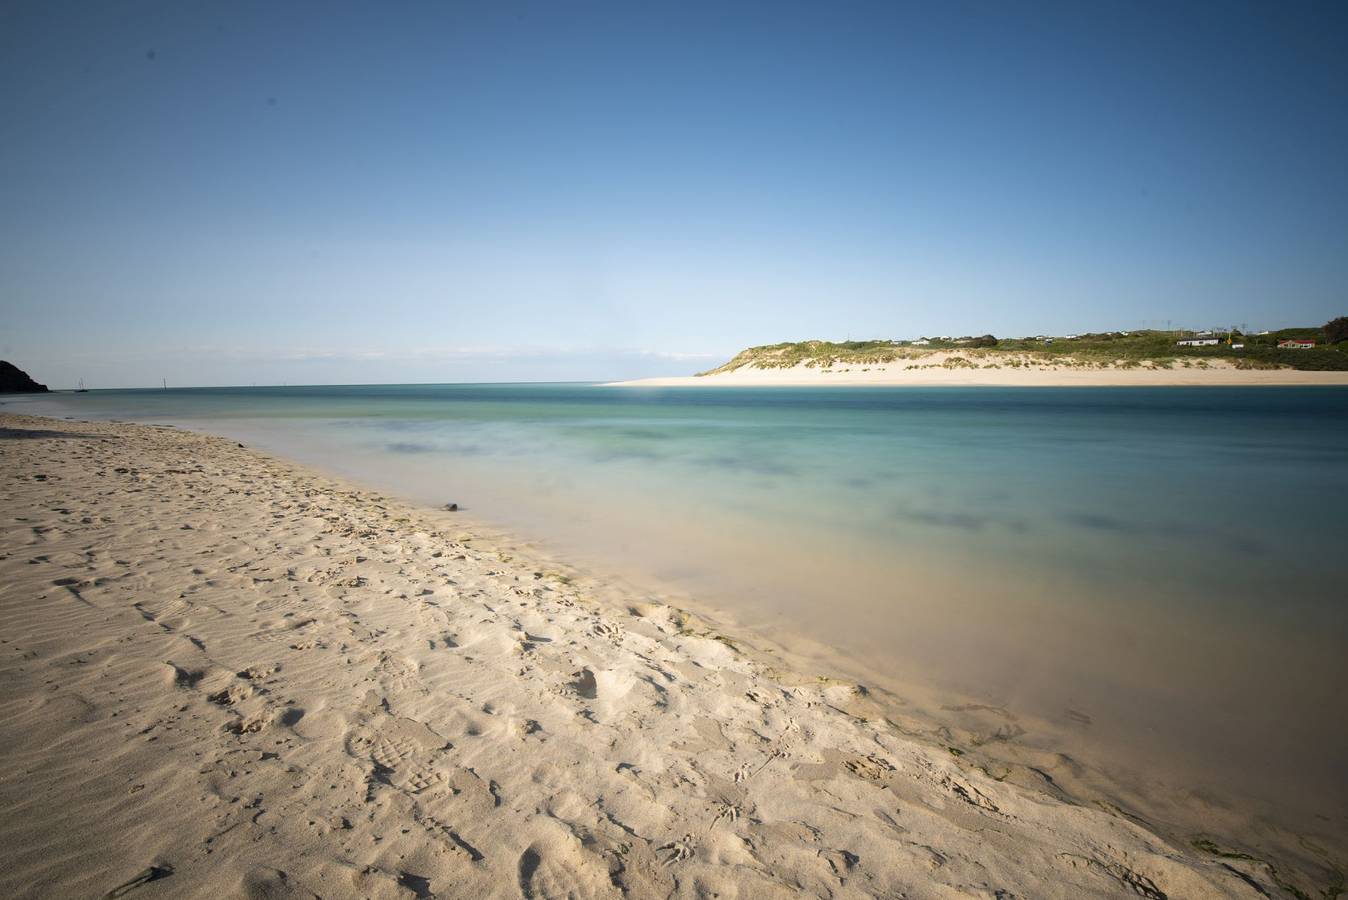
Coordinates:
(231, 695)
(611, 631)
(248, 725)
(456, 842)
(728, 813)
(585, 685)
(678, 851)
(559, 869)
(402, 752)
(184, 678)
(396, 672)
(264, 883)
(871, 768)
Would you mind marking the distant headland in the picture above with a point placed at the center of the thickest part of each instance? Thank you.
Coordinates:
(14, 380)
(1147, 357)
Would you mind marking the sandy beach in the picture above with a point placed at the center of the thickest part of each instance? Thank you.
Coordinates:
(971, 368)
(228, 675)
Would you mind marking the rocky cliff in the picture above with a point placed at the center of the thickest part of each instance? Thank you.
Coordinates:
(14, 380)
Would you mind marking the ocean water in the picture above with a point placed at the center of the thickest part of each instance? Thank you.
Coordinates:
(1150, 578)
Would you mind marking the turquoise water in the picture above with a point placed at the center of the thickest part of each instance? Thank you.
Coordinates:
(1164, 564)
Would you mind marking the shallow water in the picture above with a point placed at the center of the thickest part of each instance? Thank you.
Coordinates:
(1154, 572)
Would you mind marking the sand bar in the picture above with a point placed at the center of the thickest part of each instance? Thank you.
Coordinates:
(973, 368)
(222, 674)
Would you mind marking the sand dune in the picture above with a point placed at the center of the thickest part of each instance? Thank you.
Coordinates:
(982, 368)
(224, 675)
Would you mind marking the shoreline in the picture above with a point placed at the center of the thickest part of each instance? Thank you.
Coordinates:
(973, 368)
(346, 588)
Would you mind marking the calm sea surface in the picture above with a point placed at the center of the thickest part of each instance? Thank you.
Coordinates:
(1155, 574)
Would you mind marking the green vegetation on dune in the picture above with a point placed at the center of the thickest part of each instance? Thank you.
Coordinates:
(1115, 348)
(813, 354)
(1260, 350)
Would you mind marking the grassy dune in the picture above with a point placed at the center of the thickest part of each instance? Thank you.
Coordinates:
(1121, 349)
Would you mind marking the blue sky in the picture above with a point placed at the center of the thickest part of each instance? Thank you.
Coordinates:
(236, 193)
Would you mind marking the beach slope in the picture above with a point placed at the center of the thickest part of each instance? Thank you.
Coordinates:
(225, 675)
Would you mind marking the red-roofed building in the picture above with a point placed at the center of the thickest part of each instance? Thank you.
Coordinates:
(1296, 344)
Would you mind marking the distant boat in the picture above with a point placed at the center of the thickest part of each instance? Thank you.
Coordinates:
(81, 389)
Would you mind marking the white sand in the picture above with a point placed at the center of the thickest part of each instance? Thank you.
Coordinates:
(980, 368)
(223, 675)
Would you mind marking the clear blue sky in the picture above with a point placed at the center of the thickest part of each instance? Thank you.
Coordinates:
(288, 192)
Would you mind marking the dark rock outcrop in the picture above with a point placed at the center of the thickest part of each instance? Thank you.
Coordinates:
(14, 380)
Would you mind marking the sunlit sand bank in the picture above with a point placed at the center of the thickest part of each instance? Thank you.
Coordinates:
(225, 674)
(970, 368)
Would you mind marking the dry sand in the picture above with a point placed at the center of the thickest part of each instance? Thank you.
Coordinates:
(978, 368)
(224, 675)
